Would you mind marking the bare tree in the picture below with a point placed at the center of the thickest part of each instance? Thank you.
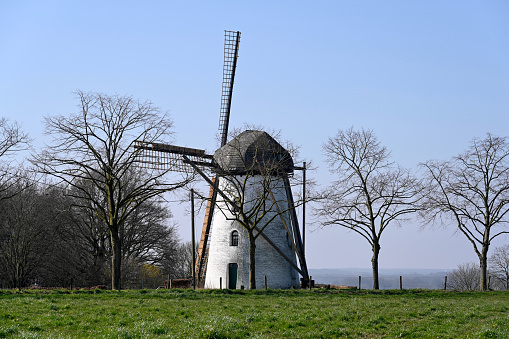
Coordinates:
(182, 265)
(499, 265)
(12, 141)
(26, 224)
(97, 145)
(464, 278)
(472, 191)
(370, 193)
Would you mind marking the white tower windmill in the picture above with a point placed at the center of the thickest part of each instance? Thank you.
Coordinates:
(251, 198)
(252, 171)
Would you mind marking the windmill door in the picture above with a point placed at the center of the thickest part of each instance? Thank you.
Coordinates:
(232, 276)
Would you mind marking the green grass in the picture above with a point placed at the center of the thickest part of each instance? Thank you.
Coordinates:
(253, 314)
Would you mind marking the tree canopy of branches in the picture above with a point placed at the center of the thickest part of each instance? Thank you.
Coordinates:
(370, 193)
(12, 140)
(23, 233)
(45, 240)
(472, 191)
(96, 145)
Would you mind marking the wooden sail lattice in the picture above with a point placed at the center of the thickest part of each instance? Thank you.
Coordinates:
(231, 51)
(170, 157)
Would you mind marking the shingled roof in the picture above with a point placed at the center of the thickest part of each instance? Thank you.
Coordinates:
(250, 151)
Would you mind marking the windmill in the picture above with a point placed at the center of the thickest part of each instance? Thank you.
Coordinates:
(223, 249)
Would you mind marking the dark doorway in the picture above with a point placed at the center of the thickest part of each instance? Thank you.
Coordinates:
(232, 276)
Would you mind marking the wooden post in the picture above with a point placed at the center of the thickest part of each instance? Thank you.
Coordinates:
(220, 283)
(168, 284)
(193, 240)
(265, 282)
(171, 283)
(359, 282)
(445, 283)
(489, 282)
(400, 283)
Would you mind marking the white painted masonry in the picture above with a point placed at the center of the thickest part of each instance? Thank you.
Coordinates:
(269, 263)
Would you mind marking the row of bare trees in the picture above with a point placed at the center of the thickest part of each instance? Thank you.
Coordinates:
(95, 202)
(46, 240)
(470, 192)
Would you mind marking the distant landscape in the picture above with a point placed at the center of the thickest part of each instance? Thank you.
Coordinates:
(389, 278)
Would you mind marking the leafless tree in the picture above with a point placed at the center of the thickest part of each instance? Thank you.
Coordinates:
(499, 265)
(464, 278)
(182, 265)
(97, 145)
(370, 193)
(26, 224)
(472, 191)
(12, 141)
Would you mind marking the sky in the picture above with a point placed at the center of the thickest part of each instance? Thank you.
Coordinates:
(427, 77)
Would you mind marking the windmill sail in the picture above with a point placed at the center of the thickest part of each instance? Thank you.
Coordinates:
(231, 51)
(170, 157)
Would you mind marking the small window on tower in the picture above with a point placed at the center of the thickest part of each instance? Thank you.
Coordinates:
(235, 238)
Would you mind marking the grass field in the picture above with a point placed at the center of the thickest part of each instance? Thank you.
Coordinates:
(253, 314)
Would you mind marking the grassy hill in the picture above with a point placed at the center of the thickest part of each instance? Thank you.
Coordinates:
(253, 314)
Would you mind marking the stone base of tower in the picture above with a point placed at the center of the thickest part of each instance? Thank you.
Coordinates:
(228, 266)
(228, 257)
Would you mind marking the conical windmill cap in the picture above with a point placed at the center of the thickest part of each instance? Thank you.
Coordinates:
(253, 151)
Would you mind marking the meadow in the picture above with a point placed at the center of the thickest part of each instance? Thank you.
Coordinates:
(253, 314)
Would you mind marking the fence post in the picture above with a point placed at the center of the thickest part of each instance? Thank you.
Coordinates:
(445, 283)
(265, 282)
(359, 282)
(220, 283)
(400, 283)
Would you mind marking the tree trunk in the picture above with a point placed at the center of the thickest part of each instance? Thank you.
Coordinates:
(483, 261)
(115, 260)
(252, 261)
(374, 265)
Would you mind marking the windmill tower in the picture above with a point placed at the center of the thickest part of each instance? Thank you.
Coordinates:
(250, 190)
(253, 170)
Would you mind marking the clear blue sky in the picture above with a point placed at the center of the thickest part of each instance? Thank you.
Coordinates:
(426, 76)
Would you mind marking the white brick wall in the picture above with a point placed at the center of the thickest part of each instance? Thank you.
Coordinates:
(280, 274)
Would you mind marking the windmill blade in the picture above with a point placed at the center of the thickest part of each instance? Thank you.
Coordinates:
(170, 157)
(231, 51)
